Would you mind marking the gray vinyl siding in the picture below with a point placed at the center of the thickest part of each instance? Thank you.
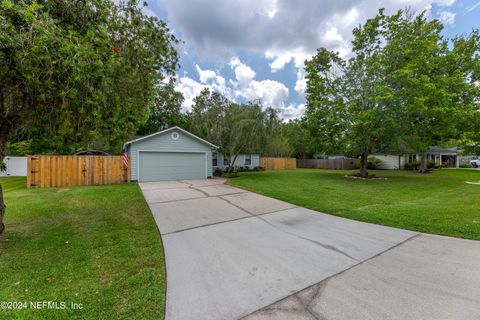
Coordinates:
(164, 142)
(240, 161)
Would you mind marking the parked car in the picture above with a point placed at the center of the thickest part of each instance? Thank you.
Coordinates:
(475, 163)
(92, 153)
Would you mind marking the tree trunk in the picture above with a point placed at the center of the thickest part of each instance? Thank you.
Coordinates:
(363, 165)
(6, 129)
(232, 164)
(423, 163)
(2, 210)
(2, 204)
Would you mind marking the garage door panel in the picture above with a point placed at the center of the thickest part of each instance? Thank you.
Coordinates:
(158, 166)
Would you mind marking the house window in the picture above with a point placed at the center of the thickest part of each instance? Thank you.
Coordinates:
(225, 161)
(248, 159)
(214, 159)
(412, 157)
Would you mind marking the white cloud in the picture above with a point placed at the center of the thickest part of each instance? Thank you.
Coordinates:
(335, 41)
(292, 111)
(447, 17)
(205, 75)
(271, 93)
(301, 83)
(243, 73)
(445, 3)
(213, 80)
(278, 62)
(283, 31)
(190, 89)
(220, 28)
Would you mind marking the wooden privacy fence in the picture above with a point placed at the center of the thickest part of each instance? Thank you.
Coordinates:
(278, 163)
(337, 164)
(62, 171)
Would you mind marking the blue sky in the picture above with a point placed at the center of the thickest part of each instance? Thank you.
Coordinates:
(254, 49)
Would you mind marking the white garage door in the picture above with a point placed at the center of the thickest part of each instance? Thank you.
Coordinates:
(158, 166)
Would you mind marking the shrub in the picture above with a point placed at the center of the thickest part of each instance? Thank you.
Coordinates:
(431, 164)
(218, 172)
(413, 165)
(465, 165)
(229, 175)
(373, 163)
(256, 169)
(261, 168)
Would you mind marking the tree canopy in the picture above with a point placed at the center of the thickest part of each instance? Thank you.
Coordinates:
(235, 128)
(405, 88)
(79, 73)
(76, 74)
(166, 111)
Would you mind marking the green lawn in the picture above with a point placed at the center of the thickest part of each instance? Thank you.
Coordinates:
(97, 246)
(440, 202)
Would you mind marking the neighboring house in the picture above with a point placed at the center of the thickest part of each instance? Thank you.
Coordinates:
(243, 160)
(445, 157)
(176, 154)
(390, 162)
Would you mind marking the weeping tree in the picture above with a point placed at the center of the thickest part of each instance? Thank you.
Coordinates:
(235, 128)
(79, 72)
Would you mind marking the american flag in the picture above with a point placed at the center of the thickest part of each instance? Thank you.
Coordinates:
(125, 156)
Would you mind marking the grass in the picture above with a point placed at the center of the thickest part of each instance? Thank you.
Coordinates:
(97, 246)
(440, 202)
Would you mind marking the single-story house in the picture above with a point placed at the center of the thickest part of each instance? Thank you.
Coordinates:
(445, 157)
(176, 154)
(243, 160)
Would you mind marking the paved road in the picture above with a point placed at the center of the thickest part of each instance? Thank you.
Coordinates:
(233, 254)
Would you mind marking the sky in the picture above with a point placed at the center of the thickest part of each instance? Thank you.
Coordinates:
(255, 49)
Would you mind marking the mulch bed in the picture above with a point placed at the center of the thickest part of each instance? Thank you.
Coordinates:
(358, 176)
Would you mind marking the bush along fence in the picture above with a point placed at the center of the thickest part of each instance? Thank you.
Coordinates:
(336, 164)
(278, 163)
(62, 171)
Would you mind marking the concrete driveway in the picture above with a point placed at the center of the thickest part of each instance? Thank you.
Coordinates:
(233, 254)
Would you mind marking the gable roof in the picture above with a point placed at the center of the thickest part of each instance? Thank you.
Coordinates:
(170, 129)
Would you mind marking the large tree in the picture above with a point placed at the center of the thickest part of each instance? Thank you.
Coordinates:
(346, 105)
(276, 143)
(432, 80)
(298, 138)
(79, 72)
(166, 111)
(235, 128)
(405, 88)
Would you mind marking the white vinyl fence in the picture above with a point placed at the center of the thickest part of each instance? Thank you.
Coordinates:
(16, 166)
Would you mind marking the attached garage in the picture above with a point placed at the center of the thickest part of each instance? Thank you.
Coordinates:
(172, 154)
(157, 166)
